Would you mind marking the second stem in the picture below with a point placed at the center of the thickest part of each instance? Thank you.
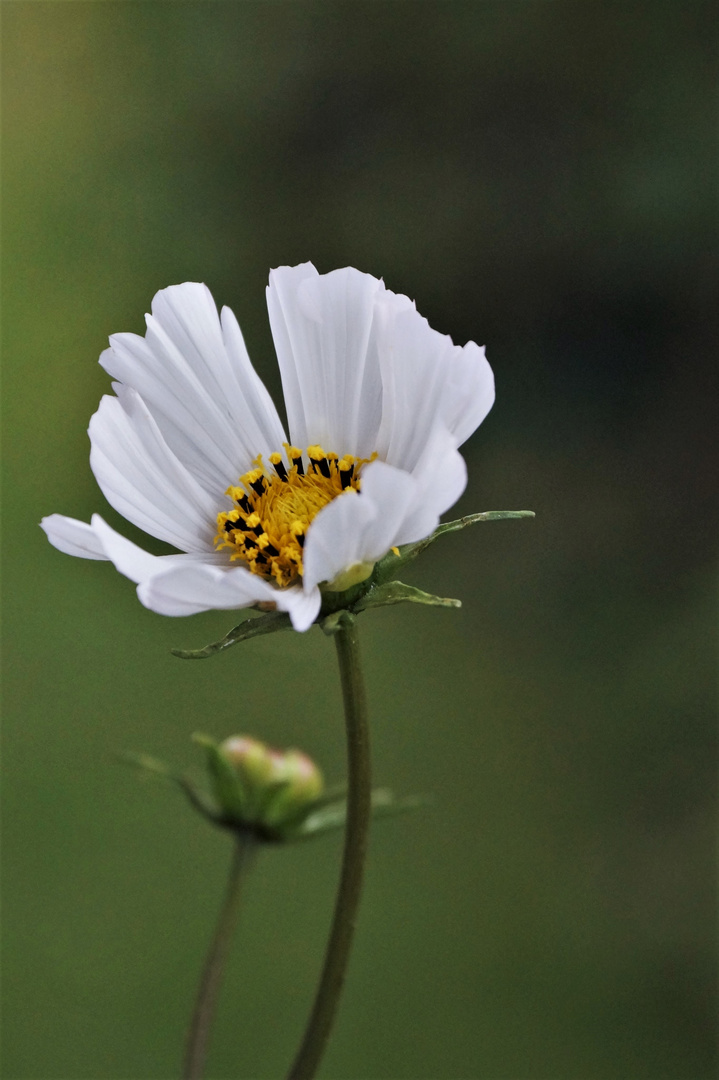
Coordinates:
(355, 850)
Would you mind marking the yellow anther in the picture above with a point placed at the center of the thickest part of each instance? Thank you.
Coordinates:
(275, 509)
(250, 477)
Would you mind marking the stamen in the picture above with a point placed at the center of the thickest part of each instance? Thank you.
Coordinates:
(276, 460)
(346, 468)
(268, 527)
(254, 524)
(319, 460)
(297, 530)
(266, 545)
(315, 454)
(295, 457)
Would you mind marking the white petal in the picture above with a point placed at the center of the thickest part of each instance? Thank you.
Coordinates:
(302, 606)
(441, 477)
(359, 527)
(469, 391)
(426, 381)
(253, 412)
(73, 537)
(144, 481)
(179, 584)
(322, 329)
(194, 374)
(414, 361)
(137, 564)
(99, 541)
(188, 589)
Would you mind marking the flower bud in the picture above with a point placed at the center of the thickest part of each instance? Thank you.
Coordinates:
(274, 786)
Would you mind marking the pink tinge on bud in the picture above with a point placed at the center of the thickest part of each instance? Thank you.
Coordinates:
(279, 782)
(237, 746)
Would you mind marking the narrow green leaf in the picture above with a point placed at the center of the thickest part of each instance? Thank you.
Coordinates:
(250, 628)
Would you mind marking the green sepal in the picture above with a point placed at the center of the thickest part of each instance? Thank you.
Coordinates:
(337, 794)
(325, 816)
(396, 592)
(386, 568)
(249, 628)
(265, 810)
(228, 789)
(391, 592)
(150, 766)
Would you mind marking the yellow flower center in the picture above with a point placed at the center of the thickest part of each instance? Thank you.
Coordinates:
(273, 512)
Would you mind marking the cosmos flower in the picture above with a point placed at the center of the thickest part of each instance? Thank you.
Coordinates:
(192, 450)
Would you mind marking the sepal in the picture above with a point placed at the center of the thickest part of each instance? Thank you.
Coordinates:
(248, 628)
(332, 815)
(386, 568)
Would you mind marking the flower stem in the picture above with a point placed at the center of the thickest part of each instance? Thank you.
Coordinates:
(201, 1021)
(355, 850)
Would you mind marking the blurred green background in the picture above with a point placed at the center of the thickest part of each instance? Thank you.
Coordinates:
(539, 177)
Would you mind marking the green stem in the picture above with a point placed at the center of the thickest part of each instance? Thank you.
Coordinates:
(201, 1021)
(355, 850)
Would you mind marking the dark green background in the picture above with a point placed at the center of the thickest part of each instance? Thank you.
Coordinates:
(539, 177)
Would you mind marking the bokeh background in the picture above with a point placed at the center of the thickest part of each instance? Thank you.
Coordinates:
(539, 177)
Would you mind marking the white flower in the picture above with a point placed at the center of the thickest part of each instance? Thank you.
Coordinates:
(192, 449)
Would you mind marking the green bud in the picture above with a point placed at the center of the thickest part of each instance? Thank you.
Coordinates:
(277, 786)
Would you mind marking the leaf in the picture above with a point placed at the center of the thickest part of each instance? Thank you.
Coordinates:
(252, 627)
